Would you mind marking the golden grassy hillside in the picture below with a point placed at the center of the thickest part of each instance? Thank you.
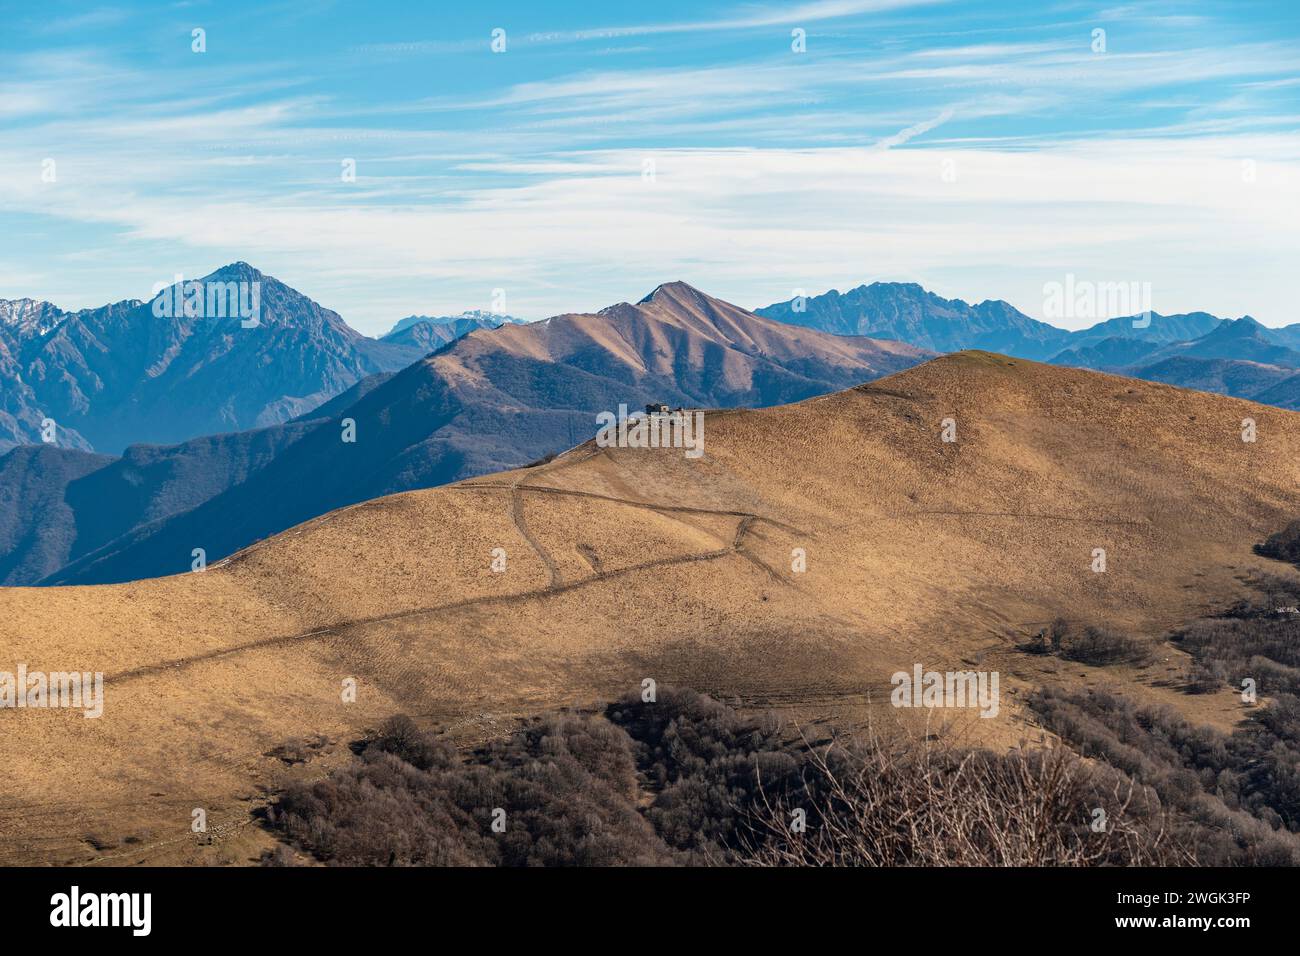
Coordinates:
(625, 564)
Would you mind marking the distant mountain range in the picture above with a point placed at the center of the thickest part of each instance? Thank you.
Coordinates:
(121, 374)
(1237, 357)
(430, 332)
(242, 427)
(493, 399)
(907, 312)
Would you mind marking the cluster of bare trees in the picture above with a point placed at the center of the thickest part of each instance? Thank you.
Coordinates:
(882, 802)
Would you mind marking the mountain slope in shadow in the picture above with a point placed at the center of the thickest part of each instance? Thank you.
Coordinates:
(63, 503)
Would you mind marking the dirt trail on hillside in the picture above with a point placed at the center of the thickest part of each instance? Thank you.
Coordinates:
(814, 550)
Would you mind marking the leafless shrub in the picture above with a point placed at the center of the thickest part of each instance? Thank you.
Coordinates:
(1237, 796)
(298, 750)
(1204, 678)
(877, 802)
(280, 856)
(1284, 545)
(1088, 644)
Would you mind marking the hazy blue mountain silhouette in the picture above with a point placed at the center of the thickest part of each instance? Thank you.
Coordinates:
(433, 332)
(906, 312)
(121, 374)
(909, 313)
(1238, 357)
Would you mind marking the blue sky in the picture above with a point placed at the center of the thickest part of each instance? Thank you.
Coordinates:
(981, 149)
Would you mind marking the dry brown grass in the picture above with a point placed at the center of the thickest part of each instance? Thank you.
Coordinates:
(949, 555)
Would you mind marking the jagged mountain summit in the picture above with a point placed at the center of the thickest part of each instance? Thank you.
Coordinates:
(908, 313)
(481, 318)
(191, 361)
(433, 332)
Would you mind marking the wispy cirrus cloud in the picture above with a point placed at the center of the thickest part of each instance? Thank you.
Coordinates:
(971, 148)
(758, 16)
(748, 17)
